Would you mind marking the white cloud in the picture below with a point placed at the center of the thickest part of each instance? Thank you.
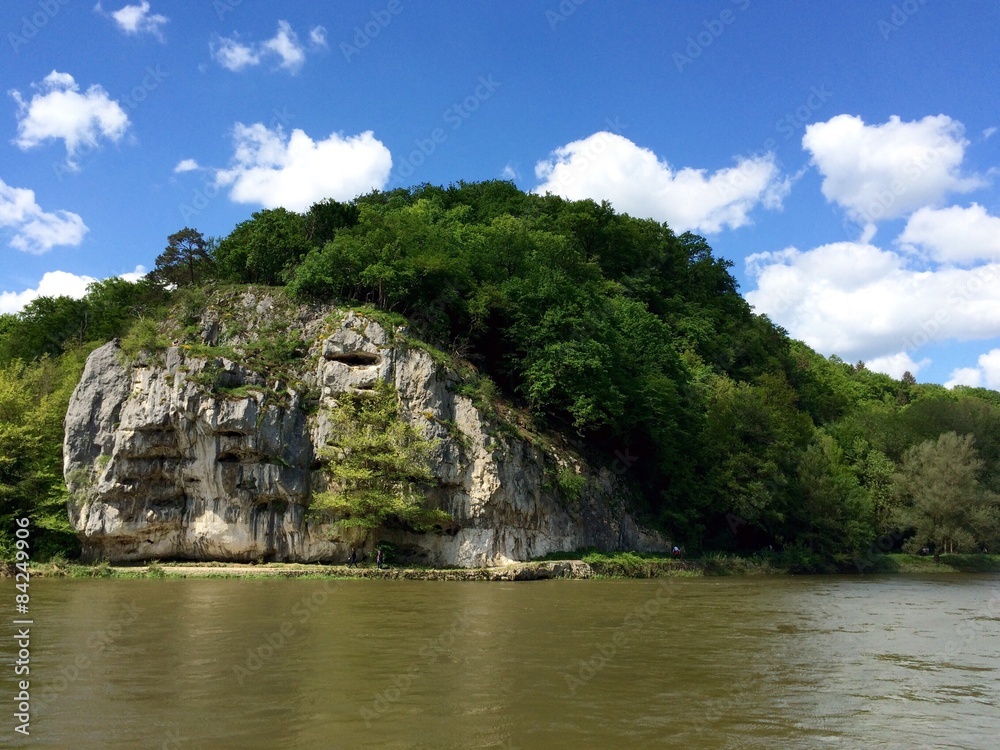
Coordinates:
(36, 231)
(272, 169)
(53, 284)
(607, 166)
(233, 55)
(186, 165)
(135, 275)
(136, 19)
(877, 172)
(859, 301)
(965, 376)
(897, 364)
(59, 111)
(57, 284)
(285, 44)
(509, 173)
(989, 133)
(953, 235)
(986, 374)
(284, 48)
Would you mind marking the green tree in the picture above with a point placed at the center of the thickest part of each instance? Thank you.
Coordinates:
(265, 249)
(376, 466)
(832, 514)
(875, 471)
(939, 494)
(33, 401)
(47, 325)
(753, 439)
(325, 218)
(182, 261)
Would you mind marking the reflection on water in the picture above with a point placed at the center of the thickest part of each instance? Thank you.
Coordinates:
(897, 662)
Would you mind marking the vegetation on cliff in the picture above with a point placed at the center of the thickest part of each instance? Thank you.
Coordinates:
(375, 464)
(629, 339)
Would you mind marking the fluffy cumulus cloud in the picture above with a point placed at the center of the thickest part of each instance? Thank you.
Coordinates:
(877, 172)
(607, 166)
(34, 230)
(137, 19)
(272, 169)
(860, 301)
(897, 364)
(954, 235)
(53, 284)
(985, 375)
(58, 111)
(284, 49)
(56, 284)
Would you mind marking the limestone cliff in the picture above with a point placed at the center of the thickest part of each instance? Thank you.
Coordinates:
(195, 450)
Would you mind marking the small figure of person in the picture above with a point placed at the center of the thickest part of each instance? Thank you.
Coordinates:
(378, 559)
(677, 551)
(352, 561)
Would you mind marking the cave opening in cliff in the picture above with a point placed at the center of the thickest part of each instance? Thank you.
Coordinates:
(354, 359)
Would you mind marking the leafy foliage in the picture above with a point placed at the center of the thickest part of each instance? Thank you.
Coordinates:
(262, 249)
(184, 259)
(941, 498)
(33, 401)
(377, 464)
(629, 339)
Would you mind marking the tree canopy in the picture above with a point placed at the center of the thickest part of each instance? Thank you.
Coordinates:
(626, 337)
(184, 260)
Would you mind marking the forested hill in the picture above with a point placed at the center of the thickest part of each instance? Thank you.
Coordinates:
(631, 340)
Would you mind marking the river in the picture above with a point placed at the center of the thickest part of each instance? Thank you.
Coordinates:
(767, 662)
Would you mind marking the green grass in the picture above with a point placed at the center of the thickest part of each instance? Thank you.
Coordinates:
(950, 563)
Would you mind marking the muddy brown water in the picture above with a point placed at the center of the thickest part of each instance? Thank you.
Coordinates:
(775, 662)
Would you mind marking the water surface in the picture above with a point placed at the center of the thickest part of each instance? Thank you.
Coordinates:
(803, 662)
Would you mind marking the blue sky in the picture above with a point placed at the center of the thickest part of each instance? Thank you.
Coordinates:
(845, 157)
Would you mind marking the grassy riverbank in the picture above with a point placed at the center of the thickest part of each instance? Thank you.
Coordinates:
(565, 565)
(651, 565)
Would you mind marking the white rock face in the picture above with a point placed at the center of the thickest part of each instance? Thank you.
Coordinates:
(160, 468)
